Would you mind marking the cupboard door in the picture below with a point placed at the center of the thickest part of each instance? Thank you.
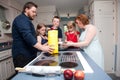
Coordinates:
(10, 68)
(104, 20)
(3, 70)
(6, 65)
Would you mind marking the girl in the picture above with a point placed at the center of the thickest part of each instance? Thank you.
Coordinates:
(72, 34)
(41, 34)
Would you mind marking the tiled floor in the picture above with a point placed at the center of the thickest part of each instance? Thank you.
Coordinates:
(114, 77)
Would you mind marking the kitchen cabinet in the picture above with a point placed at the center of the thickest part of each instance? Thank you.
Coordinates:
(3, 70)
(102, 14)
(6, 65)
(117, 72)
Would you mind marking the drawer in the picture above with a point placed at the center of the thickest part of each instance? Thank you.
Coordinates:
(5, 54)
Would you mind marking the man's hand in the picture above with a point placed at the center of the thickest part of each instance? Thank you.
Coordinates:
(47, 49)
(44, 48)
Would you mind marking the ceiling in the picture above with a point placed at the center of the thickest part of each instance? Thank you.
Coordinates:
(63, 7)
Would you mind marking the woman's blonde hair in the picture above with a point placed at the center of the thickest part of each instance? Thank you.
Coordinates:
(71, 23)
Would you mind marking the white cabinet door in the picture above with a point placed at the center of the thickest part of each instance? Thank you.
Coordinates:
(105, 22)
(118, 42)
(6, 65)
(1, 75)
(3, 70)
(9, 68)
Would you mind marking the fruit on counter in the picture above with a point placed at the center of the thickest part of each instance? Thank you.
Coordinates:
(68, 74)
(79, 75)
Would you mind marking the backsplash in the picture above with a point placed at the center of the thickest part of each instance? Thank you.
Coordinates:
(6, 38)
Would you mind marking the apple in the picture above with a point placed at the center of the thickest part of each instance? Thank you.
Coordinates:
(79, 75)
(68, 74)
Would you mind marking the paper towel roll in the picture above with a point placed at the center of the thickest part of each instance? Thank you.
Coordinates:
(43, 70)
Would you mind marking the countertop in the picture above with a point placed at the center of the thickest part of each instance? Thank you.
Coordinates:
(98, 73)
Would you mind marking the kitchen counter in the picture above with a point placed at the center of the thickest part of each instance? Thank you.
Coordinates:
(98, 73)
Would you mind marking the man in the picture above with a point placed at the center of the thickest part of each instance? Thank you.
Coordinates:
(56, 23)
(25, 44)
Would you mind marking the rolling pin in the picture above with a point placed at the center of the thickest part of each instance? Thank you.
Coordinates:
(42, 69)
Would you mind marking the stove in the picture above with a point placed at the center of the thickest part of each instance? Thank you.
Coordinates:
(64, 59)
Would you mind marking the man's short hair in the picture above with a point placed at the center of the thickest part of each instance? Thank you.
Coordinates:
(56, 17)
(29, 5)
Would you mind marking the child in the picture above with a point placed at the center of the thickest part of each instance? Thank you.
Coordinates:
(41, 34)
(55, 26)
(71, 34)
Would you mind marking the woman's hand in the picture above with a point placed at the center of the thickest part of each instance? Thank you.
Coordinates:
(68, 43)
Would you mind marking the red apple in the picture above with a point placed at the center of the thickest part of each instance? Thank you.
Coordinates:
(79, 75)
(68, 74)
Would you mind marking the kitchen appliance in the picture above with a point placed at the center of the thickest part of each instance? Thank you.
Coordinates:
(46, 63)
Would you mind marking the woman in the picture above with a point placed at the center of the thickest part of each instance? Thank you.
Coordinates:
(88, 40)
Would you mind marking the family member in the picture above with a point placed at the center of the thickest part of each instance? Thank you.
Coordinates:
(25, 44)
(88, 40)
(41, 34)
(71, 34)
(55, 26)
